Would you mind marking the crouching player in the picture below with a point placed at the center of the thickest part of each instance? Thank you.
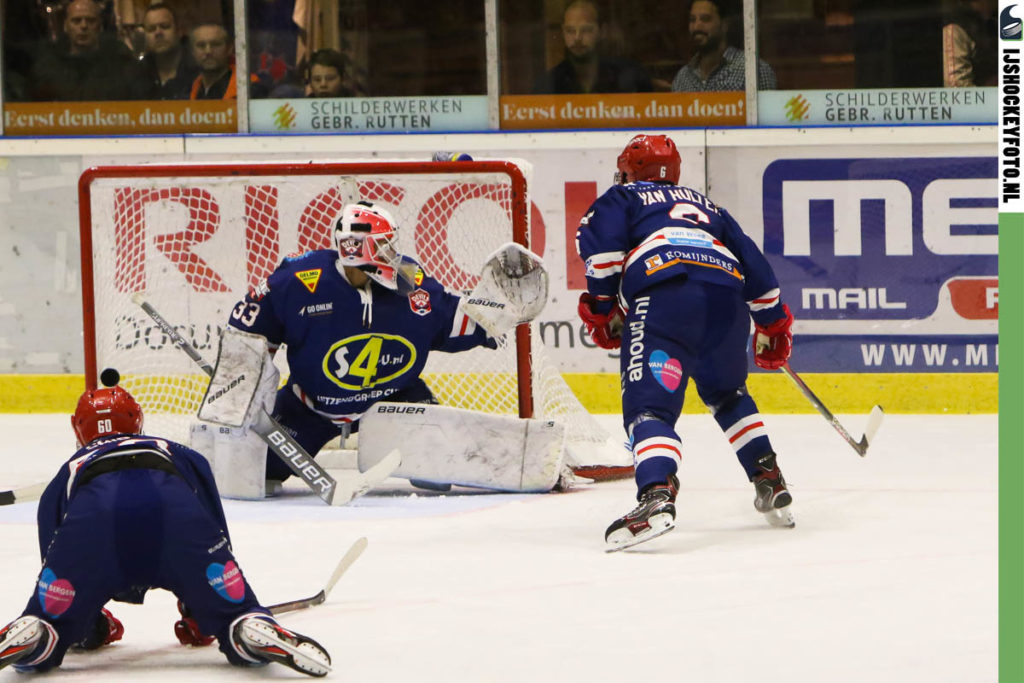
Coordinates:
(128, 513)
(674, 280)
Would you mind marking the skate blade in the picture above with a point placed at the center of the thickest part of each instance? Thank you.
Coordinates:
(657, 529)
(305, 657)
(19, 640)
(23, 632)
(781, 518)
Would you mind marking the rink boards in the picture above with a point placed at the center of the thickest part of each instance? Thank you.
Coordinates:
(884, 241)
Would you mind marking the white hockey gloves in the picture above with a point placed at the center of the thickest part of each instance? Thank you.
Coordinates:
(513, 289)
(244, 382)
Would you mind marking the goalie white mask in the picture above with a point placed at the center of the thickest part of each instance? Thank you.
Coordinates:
(365, 236)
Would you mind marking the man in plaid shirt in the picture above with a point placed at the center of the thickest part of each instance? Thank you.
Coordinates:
(717, 65)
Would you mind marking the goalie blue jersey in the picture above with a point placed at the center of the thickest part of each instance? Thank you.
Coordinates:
(639, 234)
(349, 347)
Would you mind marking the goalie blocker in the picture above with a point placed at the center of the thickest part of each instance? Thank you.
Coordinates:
(244, 381)
(443, 445)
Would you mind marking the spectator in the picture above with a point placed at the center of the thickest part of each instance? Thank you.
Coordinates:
(717, 65)
(214, 53)
(969, 44)
(584, 69)
(169, 69)
(327, 74)
(86, 63)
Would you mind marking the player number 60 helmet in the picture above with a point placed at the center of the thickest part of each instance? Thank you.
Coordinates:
(104, 412)
(649, 157)
(365, 237)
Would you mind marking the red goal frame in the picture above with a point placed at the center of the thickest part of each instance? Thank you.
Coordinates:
(519, 207)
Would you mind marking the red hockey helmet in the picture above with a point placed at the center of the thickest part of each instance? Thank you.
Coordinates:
(649, 157)
(365, 237)
(106, 411)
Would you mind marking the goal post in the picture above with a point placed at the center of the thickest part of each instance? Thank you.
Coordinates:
(195, 236)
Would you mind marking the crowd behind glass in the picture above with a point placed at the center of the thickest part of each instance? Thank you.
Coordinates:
(82, 50)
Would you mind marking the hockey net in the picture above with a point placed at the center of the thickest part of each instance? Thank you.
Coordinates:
(194, 237)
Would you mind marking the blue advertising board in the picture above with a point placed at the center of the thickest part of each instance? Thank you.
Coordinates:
(887, 243)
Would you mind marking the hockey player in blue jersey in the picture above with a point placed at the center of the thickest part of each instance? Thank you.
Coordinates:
(674, 281)
(358, 322)
(128, 513)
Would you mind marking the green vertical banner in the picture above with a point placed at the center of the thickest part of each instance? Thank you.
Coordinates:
(1011, 448)
(1011, 339)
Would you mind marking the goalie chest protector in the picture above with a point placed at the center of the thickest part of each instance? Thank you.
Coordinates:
(348, 348)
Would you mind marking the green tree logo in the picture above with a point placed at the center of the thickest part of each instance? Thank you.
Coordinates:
(797, 108)
(284, 117)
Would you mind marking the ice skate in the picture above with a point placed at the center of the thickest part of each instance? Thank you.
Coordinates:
(23, 638)
(269, 641)
(772, 498)
(655, 515)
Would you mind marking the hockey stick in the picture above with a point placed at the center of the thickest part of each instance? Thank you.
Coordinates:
(346, 561)
(23, 494)
(874, 419)
(280, 441)
(604, 472)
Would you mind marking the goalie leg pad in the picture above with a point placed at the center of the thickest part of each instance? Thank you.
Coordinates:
(244, 380)
(237, 456)
(444, 445)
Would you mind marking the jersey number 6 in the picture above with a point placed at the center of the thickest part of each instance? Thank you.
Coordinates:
(690, 213)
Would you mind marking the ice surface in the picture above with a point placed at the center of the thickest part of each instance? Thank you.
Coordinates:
(889, 575)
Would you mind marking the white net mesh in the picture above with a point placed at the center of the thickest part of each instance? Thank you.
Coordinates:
(193, 243)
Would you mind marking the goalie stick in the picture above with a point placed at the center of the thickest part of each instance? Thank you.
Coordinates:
(281, 442)
(874, 418)
(347, 559)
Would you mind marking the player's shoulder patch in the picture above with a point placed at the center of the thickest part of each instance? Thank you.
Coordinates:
(419, 301)
(305, 269)
(310, 278)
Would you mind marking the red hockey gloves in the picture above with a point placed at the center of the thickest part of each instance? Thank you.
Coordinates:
(106, 629)
(773, 343)
(187, 629)
(605, 327)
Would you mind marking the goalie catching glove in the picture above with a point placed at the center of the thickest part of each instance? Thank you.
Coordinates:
(244, 383)
(773, 343)
(603, 319)
(513, 289)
